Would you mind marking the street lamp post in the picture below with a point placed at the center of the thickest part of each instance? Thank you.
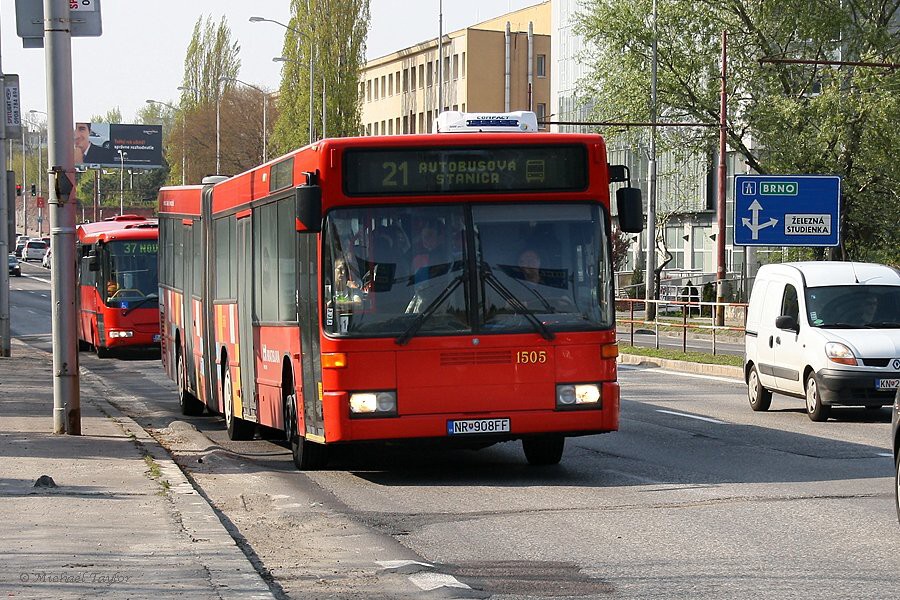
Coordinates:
(311, 67)
(265, 102)
(183, 139)
(122, 157)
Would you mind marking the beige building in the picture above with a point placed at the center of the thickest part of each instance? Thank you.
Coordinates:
(400, 91)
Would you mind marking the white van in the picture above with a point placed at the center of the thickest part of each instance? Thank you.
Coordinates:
(828, 332)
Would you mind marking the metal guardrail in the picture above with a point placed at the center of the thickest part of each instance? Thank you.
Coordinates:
(686, 316)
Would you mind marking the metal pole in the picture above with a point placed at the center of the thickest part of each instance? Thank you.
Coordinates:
(720, 205)
(24, 203)
(96, 191)
(183, 148)
(650, 283)
(218, 122)
(311, 81)
(265, 131)
(440, 98)
(323, 105)
(4, 242)
(121, 182)
(58, 60)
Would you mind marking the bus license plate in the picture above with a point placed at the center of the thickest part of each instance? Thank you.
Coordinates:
(478, 426)
(887, 384)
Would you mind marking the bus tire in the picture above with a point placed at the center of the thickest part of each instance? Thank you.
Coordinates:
(544, 450)
(307, 455)
(238, 429)
(83, 346)
(103, 351)
(190, 405)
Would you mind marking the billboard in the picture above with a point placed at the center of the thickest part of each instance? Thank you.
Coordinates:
(100, 144)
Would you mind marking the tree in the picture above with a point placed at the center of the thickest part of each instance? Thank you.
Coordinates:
(803, 119)
(338, 44)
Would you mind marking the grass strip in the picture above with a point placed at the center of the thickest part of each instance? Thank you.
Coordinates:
(697, 357)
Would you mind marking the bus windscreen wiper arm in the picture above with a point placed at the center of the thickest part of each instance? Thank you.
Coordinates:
(429, 310)
(141, 301)
(491, 280)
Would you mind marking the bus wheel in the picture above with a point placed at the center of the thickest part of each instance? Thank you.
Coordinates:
(238, 429)
(103, 351)
(308, 456)
(83, 346)
(544, 450)
(190, 406)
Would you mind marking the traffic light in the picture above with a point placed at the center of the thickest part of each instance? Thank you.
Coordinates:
(18, 189)
(33, 189)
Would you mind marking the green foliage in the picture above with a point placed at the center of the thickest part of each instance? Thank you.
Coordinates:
(338, 46)
(211, 55)
(805, 119)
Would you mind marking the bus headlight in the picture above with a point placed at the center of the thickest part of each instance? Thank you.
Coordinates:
(117, 333)
(575, 394)
(376, 404)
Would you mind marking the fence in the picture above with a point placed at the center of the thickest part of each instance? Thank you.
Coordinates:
(679, 315)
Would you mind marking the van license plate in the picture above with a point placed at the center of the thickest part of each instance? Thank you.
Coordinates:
(477, 426)
(887, 384)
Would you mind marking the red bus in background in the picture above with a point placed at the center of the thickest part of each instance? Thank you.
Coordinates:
(118, 284)
(449, 286)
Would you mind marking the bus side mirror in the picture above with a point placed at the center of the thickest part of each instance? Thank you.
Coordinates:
(93, 262)
(631, 209)
(309, 208)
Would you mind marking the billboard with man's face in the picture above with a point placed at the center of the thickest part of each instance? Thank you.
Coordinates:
(118, 145)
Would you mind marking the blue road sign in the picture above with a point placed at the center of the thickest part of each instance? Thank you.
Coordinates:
(787, 210)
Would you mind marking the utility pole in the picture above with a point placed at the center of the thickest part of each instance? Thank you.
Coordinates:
(720, 204)
(61, 161)
(650, 283)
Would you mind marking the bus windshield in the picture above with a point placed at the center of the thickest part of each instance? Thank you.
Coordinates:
(407, 271)
(130, 274)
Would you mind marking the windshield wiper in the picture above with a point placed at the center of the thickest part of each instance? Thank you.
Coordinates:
(140, 302)
(884, 324)
(430, 310)
(491, 279)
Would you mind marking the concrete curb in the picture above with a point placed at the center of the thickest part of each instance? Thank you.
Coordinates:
(683, 366)
(231, 572)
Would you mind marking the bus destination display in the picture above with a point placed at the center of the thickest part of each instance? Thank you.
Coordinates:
(422, 171)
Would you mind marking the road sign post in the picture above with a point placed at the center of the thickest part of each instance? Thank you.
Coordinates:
(787, 210)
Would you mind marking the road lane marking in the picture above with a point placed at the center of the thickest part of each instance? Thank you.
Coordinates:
(887, 454)
(432, 581)
(37, 278)
(678, 414)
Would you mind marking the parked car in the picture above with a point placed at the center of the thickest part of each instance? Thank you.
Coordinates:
(46, 240)
(825, 331)
(45, 262)
(34, 250)
(20, 246)
(14, 267)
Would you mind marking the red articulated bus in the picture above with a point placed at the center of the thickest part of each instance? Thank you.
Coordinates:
(118, 284)
(451, 286)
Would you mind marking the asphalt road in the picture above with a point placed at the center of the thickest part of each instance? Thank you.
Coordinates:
(695, 497)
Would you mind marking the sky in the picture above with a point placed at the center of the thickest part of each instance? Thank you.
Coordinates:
(140, 55)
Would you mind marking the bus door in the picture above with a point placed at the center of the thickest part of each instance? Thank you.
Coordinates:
(207, 313)
(186, 305)
(311, 363)
(245, 318)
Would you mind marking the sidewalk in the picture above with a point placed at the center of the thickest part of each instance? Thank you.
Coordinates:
(123, 522)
